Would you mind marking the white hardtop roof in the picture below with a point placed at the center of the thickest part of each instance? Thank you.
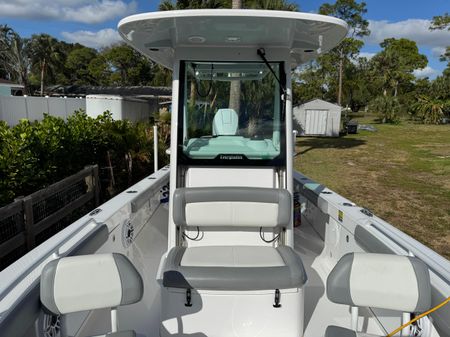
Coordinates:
(158, 34)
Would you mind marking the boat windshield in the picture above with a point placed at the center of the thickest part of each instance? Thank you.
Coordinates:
(231, 111)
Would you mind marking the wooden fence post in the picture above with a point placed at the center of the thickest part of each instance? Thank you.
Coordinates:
(19, 221)
(29, 222)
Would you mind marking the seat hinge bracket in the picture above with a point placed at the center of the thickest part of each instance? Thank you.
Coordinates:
(277, 299)
(188, 298)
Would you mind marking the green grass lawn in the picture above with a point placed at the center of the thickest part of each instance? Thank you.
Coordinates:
(401, 173)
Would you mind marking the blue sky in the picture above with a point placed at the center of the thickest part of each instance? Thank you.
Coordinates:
(93, 22)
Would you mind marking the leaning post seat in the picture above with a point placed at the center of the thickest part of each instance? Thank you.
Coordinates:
(225, 122)
(233, 267)
(267, 279)
(88, 282)
(384, 281)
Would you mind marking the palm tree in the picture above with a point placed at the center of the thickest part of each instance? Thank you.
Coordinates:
(20, 60)
(45, 54)
(235, 86)
(5, 42)
(14, 53)
(280, 5)
(430, 110)
(168, 5)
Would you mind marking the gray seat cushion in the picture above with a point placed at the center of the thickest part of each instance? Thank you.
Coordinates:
(291, 274)
(337, 331)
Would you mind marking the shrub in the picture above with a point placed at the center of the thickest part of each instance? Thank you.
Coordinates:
(430, 110)
(388, 107)
(34, 155)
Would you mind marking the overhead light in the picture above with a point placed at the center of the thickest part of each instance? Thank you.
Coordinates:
(233, 39)
(197, 73)
(196, 39)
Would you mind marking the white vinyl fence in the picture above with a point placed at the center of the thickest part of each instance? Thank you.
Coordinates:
(15, 108)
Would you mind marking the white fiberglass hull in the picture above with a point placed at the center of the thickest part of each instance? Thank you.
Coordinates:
(331, 226)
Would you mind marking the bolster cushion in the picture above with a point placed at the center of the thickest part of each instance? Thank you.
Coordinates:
(380, 281)
(232, 206)
(88, 282)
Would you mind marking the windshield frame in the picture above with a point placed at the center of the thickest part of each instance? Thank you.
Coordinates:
(229, 159)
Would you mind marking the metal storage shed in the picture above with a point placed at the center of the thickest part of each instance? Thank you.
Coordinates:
(121, 108)
(318, 118)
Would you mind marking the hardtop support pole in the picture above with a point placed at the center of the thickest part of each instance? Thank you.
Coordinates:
(155, 148)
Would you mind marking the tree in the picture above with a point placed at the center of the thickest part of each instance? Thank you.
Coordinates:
(396, 62)
(235, 86)
(280, 5)
(130, 67)
(78, 62)
(14, 54)
(162, 77)
(433, 105)
(358, 85)
(430, 110)
(339, 58)
(309, 82)
(168, 5)
(387, 107)
(441, 23)
(20, 60)
(61, 73)
(351, 12)
(99, 70)
(433, 102)
(5, 38)
(440, 87)
(45, 55)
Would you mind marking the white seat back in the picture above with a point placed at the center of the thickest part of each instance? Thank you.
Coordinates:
(380, 281)
(231, 206)
(225, 122)
(89, 282)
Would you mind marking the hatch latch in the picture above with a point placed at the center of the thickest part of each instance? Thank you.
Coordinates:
(188, 298)
(277, 299)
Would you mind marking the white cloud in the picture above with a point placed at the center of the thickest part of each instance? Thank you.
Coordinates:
(84, 11)
(412, 29)
(101, 38)
(426, 72)
(438, 51)
(367, 55)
